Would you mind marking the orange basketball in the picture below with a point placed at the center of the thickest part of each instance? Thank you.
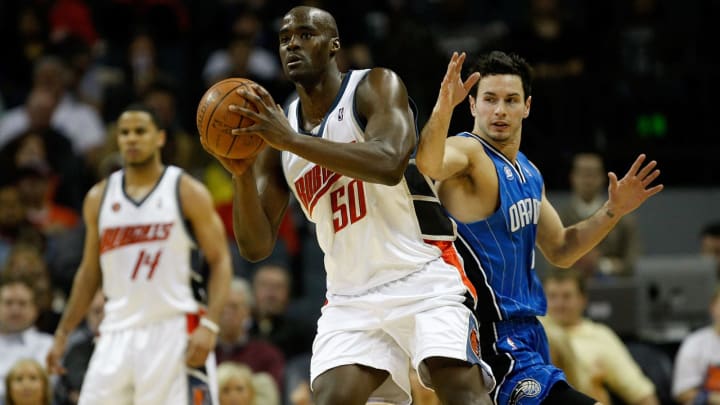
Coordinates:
(215, 122)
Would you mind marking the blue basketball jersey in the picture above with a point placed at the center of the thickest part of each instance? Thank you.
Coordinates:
(498, 252)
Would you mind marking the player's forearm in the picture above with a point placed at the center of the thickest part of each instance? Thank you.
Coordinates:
(255, 233)
(85, 286)
(373, 161)
(585, 235)
(218, 286)
(431, 149)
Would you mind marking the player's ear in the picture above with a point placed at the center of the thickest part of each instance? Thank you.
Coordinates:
(527, 107)
(471, 101)
(162, 137)
(334, 46)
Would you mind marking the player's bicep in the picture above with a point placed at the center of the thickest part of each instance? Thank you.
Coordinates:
(206, 224)
(456, 160)
(90, 262)
(550, 232)
(382, 100)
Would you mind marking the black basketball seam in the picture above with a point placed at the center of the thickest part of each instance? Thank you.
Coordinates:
(217, 104)
(227, 152)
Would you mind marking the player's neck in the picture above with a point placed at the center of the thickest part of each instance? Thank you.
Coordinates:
(317, 97)
(143, 175)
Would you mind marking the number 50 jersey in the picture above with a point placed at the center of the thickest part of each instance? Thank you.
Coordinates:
(145, 254)
(370, 233)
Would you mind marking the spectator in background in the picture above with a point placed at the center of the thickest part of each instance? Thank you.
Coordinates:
(696, 378)
(602, 358)
(239, 386)
(34, 184)
(27, 383)
(18, 337)
(78, 121)
(710, 242)
(271, 286)
(234, 342)
(617, 253)
(14, 226)
(27, 261)
(81, 344)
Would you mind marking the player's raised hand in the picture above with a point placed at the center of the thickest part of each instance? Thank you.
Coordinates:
(628, 193)
(270, 122)
(55, 355)
(452, 89)
(236, 167)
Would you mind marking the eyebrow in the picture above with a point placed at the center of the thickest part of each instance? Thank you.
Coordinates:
(490, 93)
(303, 27)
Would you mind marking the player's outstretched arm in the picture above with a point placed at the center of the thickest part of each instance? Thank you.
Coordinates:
(437, 156)
(86, 283)
(208, 229)
(381, 99)
(563, 246)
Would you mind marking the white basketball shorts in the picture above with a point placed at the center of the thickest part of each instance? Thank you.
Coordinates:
(397, 325)
(146, 366)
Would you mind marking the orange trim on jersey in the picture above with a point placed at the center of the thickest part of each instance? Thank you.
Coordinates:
(450, 256)
(198, 396)
(193, 320)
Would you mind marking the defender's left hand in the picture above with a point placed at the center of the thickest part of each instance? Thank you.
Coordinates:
(200, 343)
(628, 193)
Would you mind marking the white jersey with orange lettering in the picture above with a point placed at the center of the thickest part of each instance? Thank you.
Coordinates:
(146, 254)
(370, 233)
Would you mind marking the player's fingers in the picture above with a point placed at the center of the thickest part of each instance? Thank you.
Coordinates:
(652, 191)
(459, 62)
(647, 169)
(245, 112)
(636, 165)
(612, 177)
(650, 178)
(471, 80)
(264, 95)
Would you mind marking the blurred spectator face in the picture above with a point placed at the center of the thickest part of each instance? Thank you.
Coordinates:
(17, 307)
(272, 290)
(28, 261)
(237, 390)
(587, 177)
(12, 212)
(565, 301)
(31, 151)
(235, 314)
(27, 384)
(163, 103)
(96, 313)
(710, 245)
(51, 75)
(40, 106)
(33, 186)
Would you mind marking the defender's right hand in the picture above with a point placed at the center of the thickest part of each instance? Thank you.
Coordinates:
(55, 355)
(236, 167)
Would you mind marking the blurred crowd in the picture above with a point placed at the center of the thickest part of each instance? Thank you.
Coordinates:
(612, 77)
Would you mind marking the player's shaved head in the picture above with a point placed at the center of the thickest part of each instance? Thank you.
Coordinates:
(324, 20)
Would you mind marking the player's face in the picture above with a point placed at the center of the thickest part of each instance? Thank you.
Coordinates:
(17, 307)
(26, 385)
(588, 177)
(236, 392)
(499, 107)
(305, 47)
(139, 140)
(565, 302)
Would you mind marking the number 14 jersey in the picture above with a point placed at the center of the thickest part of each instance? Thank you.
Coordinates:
(145, 254)
(371, 234)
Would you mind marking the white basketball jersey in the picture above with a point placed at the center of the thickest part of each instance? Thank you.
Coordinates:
(370, 233)
(145, 254)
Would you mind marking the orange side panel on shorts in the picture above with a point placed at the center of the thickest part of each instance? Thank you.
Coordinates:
(198, 397)
(450, 256)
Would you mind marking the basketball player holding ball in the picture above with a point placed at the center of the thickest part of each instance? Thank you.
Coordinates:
(144, 224)
(397, 294)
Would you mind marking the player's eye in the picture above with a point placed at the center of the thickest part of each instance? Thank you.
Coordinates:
(306, 35)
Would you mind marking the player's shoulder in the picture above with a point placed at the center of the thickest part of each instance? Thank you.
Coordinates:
(192, 191)
(380, 79)
(97, 191)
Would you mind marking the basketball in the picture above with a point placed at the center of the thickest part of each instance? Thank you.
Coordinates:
(215, 122)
